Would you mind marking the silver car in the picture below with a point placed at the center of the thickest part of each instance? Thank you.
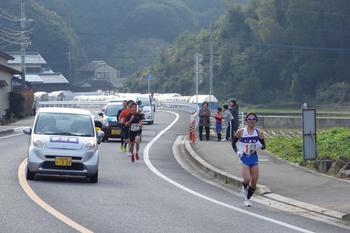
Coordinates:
(63, 142)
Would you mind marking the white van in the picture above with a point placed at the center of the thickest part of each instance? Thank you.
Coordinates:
(147, 108)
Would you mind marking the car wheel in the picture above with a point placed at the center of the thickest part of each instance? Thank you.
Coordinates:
(94, 178)
(151, 123)
(30, 175)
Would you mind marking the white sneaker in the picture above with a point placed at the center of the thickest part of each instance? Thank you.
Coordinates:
(224, 140)
(247, 203)
(244, 193)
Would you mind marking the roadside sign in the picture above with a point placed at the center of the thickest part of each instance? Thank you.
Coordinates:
(149, 77)
(309, 134)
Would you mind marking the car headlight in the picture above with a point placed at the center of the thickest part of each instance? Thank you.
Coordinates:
(38, 143)
(91, 145)
(105, 123)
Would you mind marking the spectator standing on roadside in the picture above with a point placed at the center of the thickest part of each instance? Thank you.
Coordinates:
(228, 122)
(218, 126)
(204, 121)
(234, 109)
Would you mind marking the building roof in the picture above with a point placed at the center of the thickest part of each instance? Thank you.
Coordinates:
(6, 56)
(47, 78)
(9, 69)
(94, 65)
(31, 58)
(33, 78)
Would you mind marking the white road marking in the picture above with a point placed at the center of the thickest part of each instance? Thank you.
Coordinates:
(186, 189)
(29, 191)
(11, 136)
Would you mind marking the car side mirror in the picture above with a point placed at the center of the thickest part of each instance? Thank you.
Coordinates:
(27, 131)
(100, 114)
(100, 136)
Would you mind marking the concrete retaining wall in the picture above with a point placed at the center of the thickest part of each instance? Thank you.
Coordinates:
(295, 122)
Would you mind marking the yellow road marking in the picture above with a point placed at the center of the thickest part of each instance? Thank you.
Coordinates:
(29, 191)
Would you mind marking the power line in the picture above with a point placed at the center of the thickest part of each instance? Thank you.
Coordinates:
(4, 14)
(13, 42)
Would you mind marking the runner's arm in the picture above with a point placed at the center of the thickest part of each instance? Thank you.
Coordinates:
(262, 139)
(238, 135)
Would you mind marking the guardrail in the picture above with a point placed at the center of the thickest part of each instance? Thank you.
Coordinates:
(188, 107)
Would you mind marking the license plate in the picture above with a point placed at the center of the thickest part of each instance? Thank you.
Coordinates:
(63, 161)
(116, 131)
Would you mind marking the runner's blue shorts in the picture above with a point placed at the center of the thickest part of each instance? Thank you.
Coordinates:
(250, 160)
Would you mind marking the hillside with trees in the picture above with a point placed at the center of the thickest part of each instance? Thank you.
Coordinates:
(267, 51)
(128, 35)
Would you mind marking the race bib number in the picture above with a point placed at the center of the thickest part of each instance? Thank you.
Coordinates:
(135, 127)
(249, 148)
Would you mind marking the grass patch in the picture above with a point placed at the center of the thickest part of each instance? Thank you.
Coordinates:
(331, 144)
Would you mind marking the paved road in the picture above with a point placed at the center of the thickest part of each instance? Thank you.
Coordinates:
(282, 178)
(131, 198)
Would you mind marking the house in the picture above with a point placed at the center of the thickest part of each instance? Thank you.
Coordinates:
(35, 63)
(6, 75)
(39, 77)
(98, 73)
(47, 80)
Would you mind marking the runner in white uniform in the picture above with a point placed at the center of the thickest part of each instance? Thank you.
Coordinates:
(250, 139)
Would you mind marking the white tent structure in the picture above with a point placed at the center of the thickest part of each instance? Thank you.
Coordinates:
(211, 99)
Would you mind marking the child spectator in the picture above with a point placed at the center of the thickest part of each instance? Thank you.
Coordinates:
(218, 126)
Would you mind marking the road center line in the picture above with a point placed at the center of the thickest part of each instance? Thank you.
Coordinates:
(29, 191)
(186, 189)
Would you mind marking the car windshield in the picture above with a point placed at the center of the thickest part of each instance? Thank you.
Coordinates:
(145, 101)
(112, 110)
(64, 124)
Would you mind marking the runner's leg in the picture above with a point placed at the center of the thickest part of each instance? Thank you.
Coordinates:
(254, 171)
(137, 142)
(131, 145)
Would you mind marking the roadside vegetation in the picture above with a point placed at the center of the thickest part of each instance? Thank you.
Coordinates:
(332, 144)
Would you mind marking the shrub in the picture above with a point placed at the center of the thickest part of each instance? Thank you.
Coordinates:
(16, 105)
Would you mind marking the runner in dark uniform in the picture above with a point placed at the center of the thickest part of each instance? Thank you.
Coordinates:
(134, 122)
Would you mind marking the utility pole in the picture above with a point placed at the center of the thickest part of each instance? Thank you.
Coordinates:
(197, 77)
(23, 42)
(211, 64)
(70, 62)
(148, 86)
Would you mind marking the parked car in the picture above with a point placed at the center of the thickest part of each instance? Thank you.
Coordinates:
(63, 141)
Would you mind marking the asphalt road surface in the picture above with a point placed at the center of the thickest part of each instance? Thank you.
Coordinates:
(130, 197)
